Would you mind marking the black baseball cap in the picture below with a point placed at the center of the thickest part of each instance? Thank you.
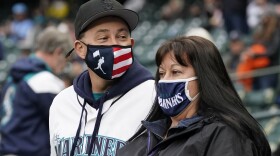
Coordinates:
(96, 9)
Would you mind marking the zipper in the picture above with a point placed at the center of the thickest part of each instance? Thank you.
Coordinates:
(149, 141)
(165, 142)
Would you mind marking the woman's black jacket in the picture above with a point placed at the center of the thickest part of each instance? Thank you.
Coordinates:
(205, 137)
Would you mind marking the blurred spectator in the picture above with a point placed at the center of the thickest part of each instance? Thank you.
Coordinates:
(67, 26)
(25, 48)
(268, 33)
(2, 53)
(39, 17)
(234, 13)
(172, 9)
(199, 31)
(67, 79)
(196, 8)
(135, 5)
(21, 25)
(77, 66)
(58, 10)
(277, 8)
(40, 20)
(236, 46)
(251, 59)
(213, 14)
(28, 94)
(255, 10)
(263, 52)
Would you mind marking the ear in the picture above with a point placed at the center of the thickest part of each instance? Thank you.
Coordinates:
(132, 42)
(80, 49)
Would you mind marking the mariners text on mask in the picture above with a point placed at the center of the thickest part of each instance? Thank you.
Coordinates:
(170, 102)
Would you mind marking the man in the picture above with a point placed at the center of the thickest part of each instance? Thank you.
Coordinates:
(28, 94)
(107, 102)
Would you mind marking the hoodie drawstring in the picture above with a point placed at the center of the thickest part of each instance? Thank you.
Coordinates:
(97, 124)
(78, 131)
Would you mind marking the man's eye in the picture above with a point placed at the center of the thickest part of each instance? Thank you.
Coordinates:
(102, 38)
(123, 37)
(161, 74)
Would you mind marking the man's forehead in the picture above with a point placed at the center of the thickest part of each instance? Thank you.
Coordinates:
(109, 20)
(102, 30)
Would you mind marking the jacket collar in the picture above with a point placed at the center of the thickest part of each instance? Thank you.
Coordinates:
(160, 127)
(184, 129)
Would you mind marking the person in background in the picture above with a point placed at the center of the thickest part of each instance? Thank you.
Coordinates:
(197, 111)
(21, 25)
(255, 10)
(2, 51)
(28, 93)
(202, 32)
(106, 103)
(262, 53)
(234, 16)
(236, 47)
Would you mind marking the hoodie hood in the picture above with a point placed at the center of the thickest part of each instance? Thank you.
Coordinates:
(135, 75)
(26, 66)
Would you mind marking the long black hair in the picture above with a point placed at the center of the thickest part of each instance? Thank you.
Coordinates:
(217, 92)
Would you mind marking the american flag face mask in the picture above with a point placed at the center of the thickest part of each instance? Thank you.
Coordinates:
(109, 62)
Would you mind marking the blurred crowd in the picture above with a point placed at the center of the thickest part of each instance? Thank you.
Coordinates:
(252, 32)
(19, 30)
(250, 25)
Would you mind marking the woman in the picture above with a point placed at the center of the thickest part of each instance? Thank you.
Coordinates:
(197, 111)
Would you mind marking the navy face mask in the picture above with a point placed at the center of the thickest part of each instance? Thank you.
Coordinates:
(173, 95)
(109, 62)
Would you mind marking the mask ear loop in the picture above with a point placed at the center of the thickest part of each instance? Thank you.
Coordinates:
(70, 52)
(83, 43)
(192, 99)
(187, 90)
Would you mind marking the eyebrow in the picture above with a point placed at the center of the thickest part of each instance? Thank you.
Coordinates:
(122, 29)
(172, 65)
(176, 64)
(102, 30)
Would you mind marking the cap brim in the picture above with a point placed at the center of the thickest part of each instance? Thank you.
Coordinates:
(128, 16)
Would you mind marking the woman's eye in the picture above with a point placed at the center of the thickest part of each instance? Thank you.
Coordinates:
(175, 72)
